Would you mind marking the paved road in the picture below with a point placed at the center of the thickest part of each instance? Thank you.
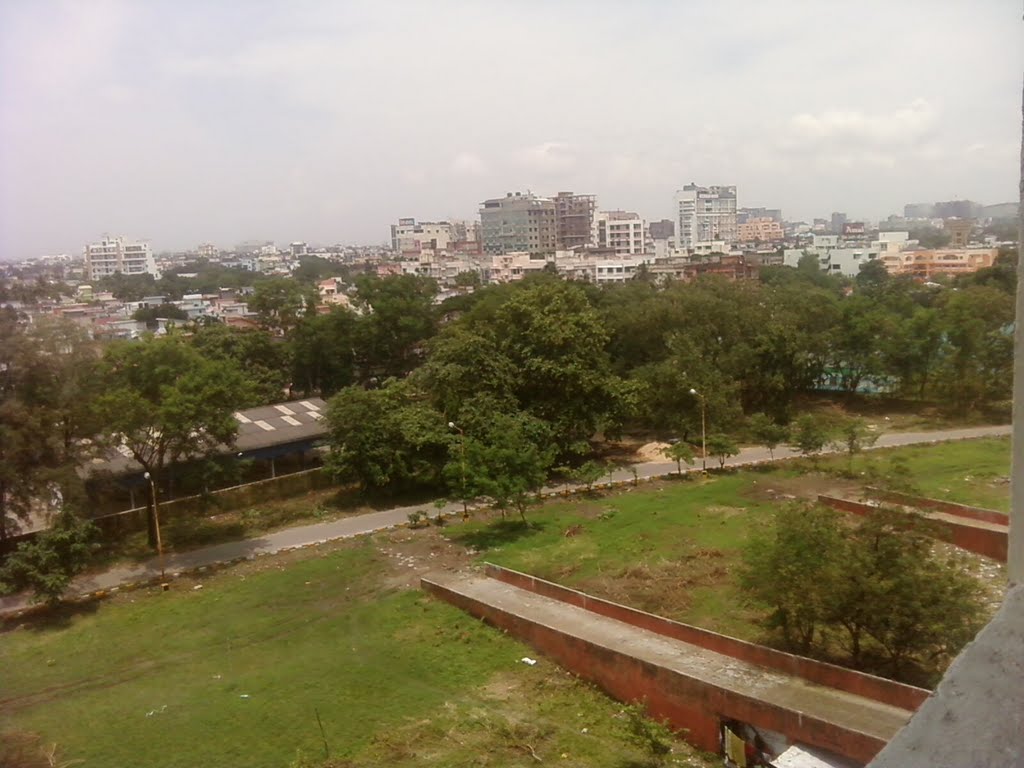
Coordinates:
(344, 528)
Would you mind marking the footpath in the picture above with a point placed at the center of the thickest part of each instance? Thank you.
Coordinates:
(359, 525)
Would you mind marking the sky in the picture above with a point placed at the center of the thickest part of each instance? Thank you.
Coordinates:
(191, 121)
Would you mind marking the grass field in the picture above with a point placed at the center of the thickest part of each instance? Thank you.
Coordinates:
(236, 672)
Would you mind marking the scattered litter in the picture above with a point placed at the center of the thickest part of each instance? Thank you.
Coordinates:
(156, 711)
(528, 660)
(584, 730)
(243, 696)
(197, 586)
(216, 677)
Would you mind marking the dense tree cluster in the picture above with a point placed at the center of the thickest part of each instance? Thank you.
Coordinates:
(876, 594)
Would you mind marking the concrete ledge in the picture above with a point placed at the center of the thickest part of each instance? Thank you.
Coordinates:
(859, 683)
(986, 539)
(691, 704)
(949, 507)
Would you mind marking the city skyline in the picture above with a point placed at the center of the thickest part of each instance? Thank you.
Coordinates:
(185, 123)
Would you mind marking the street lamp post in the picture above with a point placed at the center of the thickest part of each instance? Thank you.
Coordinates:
(462, 458)
(159, 539)
(703, 431)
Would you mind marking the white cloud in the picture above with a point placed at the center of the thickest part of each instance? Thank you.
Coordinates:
(547, 157)
(468, 164)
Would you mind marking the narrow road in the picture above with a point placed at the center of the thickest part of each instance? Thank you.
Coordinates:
(359, 525)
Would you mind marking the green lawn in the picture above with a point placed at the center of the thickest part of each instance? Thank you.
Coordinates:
(967, 471)
(234, 674)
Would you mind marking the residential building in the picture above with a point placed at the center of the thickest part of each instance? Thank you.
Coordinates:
(732, 267)
(207, 251)
(574, 218)
(519, 223)
(661, 230)
(835, 256)
(299, 248)
(512, 266)
(622, 231)
(116, 254)
(410, 236)
(959, 231)
(762, 229)
(749, 214)
(838, 221)
(704, 214)
(925, 264)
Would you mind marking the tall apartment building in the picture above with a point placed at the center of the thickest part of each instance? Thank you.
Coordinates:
(704, 214)
(116, 254)
(519, 223)
(623, 231)
(574, 219)
(410, 236)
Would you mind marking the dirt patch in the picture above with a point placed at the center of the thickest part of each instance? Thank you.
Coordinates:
(652, 452)
(662, 587)
(412, 553)
(803, 487)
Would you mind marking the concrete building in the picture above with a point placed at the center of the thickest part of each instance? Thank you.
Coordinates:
(410, 236)
(959, 231)
(704, 214)
(761, 230)
(574, 219)
(519, 223)
(299, 248)
(749, 214)
(837, 222)
(622, 231)
(835, 256)
(662, 230)
(925, 264)
(116, 254)
(512, 266)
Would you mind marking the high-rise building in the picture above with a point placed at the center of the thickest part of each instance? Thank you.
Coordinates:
(574, 219)
(116, 254)
(519, 223)
(838, 222)
(704, 214)
(622, 231)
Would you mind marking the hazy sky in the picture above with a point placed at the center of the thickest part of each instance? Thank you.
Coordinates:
(186, 121)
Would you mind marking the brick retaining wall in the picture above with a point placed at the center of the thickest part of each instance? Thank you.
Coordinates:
(949, 507)
(859, 683)
(980, 537)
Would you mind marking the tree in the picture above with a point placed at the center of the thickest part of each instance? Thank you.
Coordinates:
(323, 353)
(767, 432)
(916, 606)
(47, 563)
(810, 434)
(279, 302)
(510, 464)
(386, 437)
(587, 473)
(794, 570)
(722, 446)
(150, 315)
(165, 402)
(855, 435)
(398, 317)
(48, 377)
(264, 359)
(679, 452)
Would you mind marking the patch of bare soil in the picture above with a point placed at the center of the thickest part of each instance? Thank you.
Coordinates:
(807, 487)
(413, 552)
(662, 587)
(652, 452)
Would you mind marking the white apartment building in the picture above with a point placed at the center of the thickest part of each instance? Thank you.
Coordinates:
(705, 214)
(834, 256)
(623, 231)
(116, 254)
(410, 236)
